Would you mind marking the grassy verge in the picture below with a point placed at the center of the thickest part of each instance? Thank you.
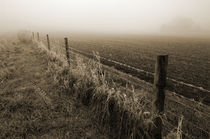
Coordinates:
(122, 112)
(32, 106)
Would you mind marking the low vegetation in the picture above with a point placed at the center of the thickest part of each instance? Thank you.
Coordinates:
(122, 112)
(32, 105)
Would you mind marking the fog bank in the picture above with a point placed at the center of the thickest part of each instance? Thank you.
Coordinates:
(188, 17)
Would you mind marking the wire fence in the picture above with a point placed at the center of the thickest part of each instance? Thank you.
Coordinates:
(57, 43)
(59, 48)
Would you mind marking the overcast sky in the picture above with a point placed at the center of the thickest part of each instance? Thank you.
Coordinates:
(120, 16)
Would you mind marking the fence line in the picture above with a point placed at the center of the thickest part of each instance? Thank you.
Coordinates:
(159, 83)
(146, 72)
(142, 71)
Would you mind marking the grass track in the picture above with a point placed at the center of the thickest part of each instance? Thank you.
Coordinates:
(31, 105)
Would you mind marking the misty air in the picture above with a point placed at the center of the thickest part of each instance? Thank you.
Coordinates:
(105, 69)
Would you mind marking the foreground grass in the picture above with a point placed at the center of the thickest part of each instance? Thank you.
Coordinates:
(32, 105)
(40, 99)
(121, 111)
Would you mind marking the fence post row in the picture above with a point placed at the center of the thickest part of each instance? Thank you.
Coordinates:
(67, 50)
(38, 36)
(48, 42)
(159, 90)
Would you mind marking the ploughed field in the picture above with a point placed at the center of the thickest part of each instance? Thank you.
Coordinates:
(189, 58)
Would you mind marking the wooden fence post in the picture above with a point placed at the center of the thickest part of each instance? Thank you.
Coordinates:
(48, 42)
(159, 89)
(38, 36)
(160, 82)
(67, 50)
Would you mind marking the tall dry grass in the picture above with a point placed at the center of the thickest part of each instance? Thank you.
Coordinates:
(6, 46)
(123, 114)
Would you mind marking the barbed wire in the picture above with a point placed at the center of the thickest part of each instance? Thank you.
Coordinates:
(207, 115)
(188, 99)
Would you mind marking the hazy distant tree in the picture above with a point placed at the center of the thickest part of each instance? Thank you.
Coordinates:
(181, 25)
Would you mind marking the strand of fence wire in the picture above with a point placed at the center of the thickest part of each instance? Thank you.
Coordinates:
(188, 99)
(197, 111)
(118, 76)
(116, 62)
(208, 115)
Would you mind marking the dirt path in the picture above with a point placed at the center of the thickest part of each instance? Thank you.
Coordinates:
(30, 104)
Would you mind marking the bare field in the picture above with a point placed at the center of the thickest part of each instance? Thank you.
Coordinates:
(188, 58)
(176, 105)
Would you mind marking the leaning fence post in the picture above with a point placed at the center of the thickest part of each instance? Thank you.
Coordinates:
(67, 50)
(38, 36)
(159, 89)
(48, 42)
